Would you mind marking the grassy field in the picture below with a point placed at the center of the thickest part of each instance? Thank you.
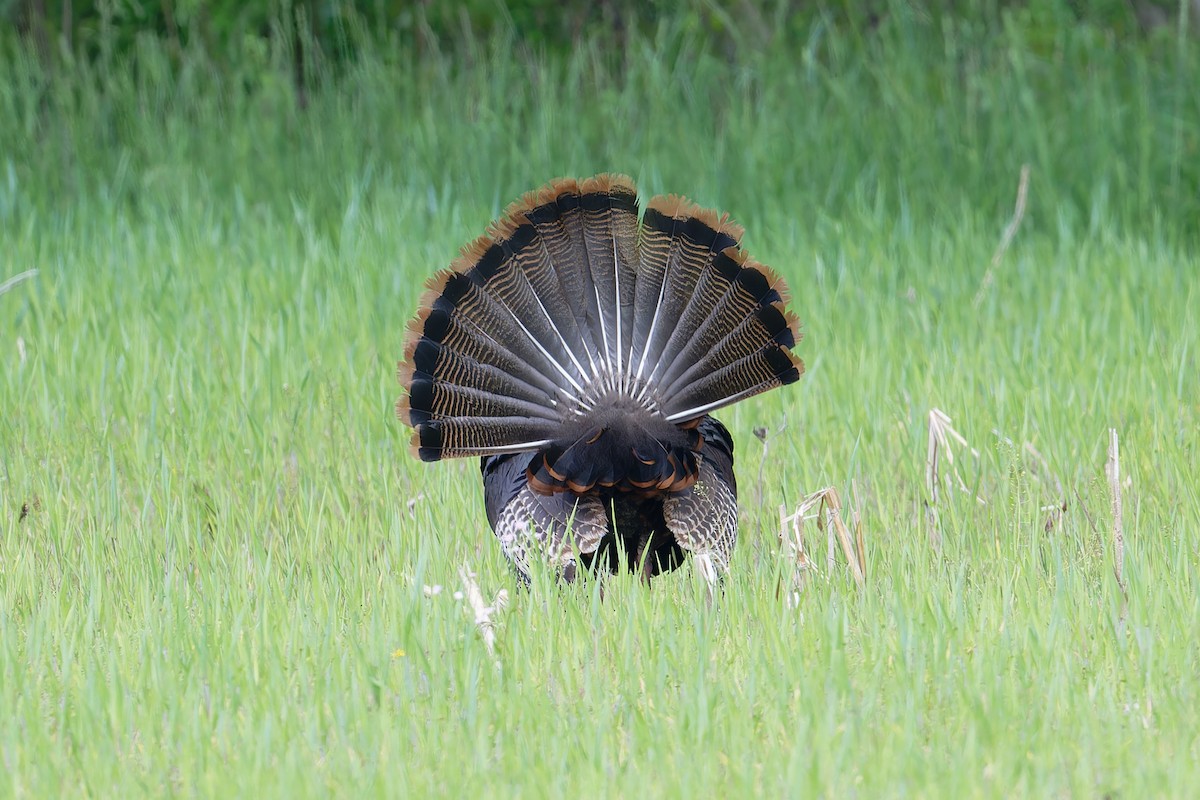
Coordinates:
(215, 547)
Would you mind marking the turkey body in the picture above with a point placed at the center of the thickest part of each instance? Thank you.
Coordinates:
(578, 349)
(637, 532)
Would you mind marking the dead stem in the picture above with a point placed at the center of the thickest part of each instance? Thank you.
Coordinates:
(1005, 240)
(1113, 470)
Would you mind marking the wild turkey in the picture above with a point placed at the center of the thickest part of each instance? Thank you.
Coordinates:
(579, 354)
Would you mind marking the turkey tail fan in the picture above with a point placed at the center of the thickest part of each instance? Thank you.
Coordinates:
(577, 331)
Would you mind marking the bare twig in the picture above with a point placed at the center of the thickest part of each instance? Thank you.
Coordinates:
(1007, 238)
(1113, 470)
(940, 421)
(20, 277)
(483, 612)
(791, 536)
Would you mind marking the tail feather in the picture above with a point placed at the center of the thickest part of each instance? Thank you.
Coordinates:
(768, 368)
(454, 437)
(455, 370)
(764, 331)
(560, 226)
(688, 338)
(572, 330)
(440, 337)
(496, 295)
(609, 205)
(609, 216)
(691, 253)
(549, 294)
(453, 400)
(747, 315)
(656, 245)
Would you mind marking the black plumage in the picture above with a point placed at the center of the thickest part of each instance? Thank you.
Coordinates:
(579, 350)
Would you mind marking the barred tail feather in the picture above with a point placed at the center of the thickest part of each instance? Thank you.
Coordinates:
(749, 288)
(455, 437)
(690, 256)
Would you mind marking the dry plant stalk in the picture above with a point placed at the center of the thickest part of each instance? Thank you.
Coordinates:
(483, 612)
(941, 432)
(20, 277)
(932, 481)
(830, 543)
(828, 514)
(1113, 470)
(1006, 239)
(792, 540)
(831, 503)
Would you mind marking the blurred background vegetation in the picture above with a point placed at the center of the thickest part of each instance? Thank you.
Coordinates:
(324, 33)
(925, 109)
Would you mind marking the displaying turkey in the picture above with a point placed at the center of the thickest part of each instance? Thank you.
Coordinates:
(580, 353)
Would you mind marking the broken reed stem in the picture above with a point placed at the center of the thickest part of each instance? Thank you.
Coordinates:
(20, 277)
(829, 520)
(483, 612)
(931, 480)
(833, 509)
(1113, 471)
(1009, 232)
(790, 536)
(941, 431)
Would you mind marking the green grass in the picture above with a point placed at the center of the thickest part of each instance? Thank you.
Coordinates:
(216, 587)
